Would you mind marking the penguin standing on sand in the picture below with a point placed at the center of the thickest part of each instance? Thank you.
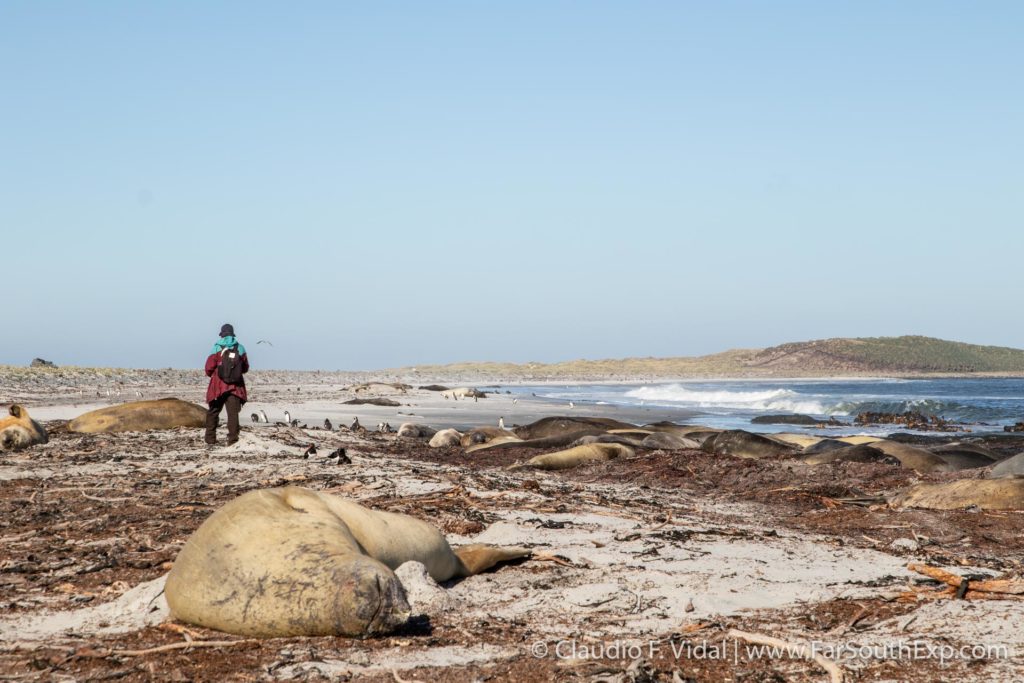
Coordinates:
(255, 418)
(501, 423)
(264, 418)
(287, 417)
(327, 424)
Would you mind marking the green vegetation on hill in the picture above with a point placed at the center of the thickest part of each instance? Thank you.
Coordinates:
(911, 355)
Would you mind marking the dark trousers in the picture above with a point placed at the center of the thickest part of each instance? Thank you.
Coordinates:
(234, 406)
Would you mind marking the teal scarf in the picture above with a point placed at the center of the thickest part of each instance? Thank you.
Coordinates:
(227, 343)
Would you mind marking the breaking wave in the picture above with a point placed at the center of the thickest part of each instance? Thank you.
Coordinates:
(782, 400)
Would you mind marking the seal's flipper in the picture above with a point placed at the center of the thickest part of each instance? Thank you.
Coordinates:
(478, 558)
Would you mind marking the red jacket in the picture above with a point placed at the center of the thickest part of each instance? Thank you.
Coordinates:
(219, 387)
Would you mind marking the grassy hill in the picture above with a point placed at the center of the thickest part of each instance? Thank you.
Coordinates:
(874, 356)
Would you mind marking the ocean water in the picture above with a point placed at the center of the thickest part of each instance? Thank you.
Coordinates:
(985, 404)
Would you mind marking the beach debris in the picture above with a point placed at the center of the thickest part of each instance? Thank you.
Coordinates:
(963, 587)
(803, 650)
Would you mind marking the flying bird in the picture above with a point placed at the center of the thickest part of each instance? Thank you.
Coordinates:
(263, 341)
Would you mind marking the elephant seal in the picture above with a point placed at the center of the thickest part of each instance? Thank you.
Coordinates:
(415, 431)
(987, 494)
(746, 445)
(295, 562)
(826, 445)
(18, 430)
(446, 438)
(485, 435)
(681, 430)
(166, 413)
(563, 460)
(556, 441)
(803, 441)
(667, 441)
(913, 458)
(608, 438)
(463, 392)
(1011, 467)
(965, 456)
(861, 453)
(561, 425)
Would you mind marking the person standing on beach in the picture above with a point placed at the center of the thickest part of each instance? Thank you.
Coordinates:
(225, 366)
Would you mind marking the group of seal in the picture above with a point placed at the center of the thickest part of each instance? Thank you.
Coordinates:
(296, 562)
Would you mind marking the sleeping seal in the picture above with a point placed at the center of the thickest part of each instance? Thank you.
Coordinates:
(296, 562)
(166, 413)
(987, 494)
(862, 453)
(563, 460)
(912, 457)
(1011, 467)
(18, 430)
(746, 445)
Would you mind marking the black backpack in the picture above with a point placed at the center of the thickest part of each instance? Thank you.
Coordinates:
(230, 368)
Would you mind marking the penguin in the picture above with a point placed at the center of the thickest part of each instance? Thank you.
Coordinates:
(355, 425)
(287, 417)
(327, 424)
(310, 450)
(515, 401)
(294, 423)
(501, 423)
(263, 416)
(255, 417)
(571, 404)
(342, 457)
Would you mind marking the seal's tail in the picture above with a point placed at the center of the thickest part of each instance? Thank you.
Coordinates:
(478, 558)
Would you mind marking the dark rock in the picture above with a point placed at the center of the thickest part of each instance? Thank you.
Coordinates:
(805, 420)
(40, 363)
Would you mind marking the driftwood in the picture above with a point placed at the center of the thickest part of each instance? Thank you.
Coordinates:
(962, 588)
(835, 674)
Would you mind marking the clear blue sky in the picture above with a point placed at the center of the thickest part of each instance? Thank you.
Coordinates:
(381, 184)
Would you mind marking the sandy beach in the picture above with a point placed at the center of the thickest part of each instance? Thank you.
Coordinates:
(643, 569)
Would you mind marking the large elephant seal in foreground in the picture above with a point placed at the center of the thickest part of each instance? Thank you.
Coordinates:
(563, 460)
(18, 430)
(746, 445)
(296, 562)
(166, 413)
(987, 494)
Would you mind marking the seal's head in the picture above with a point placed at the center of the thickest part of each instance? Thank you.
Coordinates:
(18, 430)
